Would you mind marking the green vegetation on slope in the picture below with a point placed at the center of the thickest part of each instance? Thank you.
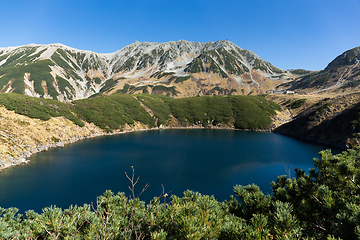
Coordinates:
(312, 80)
(161, 89)
(204, 110)
(38, 108)
(109, 84)
(159, 75)
(158, 106)
(252, 112)
(323, 204)
(156, 90)
(351, 84)
(39, 71)
(300, 71)
(297, 103)
(63, 84)
(182, 79)
(112, 112)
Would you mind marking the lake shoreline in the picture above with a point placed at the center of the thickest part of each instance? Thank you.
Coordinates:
(181, 159)
(23, 156)
(41, 147)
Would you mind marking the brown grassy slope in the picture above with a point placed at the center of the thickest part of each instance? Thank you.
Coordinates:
(322, 119)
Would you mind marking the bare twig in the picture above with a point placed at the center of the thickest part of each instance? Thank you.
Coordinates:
(353, 181)
(133, 184)
(104, 218)
(131, 226)
(288, 170)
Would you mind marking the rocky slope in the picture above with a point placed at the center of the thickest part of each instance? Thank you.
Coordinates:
(52, 71)
(334, 121)
(341, 76)
(21, 136)
(179, 68)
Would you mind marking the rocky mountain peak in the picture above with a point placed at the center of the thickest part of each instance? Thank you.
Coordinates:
(349, 57)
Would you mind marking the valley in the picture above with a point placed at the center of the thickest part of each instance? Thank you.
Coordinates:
(54, 94)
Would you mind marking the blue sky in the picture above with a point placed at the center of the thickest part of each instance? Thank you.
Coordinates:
(288, 33)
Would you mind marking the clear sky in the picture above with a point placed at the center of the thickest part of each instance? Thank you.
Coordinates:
(290, 34)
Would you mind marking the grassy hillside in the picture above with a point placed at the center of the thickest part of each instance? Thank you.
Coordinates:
(115, 111)
(112, 112)
(328, 119)
(38, 108)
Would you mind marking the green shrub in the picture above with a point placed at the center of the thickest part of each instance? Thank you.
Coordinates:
(297, 103)
(182, 79)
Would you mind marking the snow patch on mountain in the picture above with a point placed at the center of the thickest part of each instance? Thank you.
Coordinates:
(29, 86)
(38, 49)
(87, 72)
(57, 71)
(48, 53)
(4, 61)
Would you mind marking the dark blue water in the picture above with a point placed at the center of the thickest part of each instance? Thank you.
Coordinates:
(208, 161)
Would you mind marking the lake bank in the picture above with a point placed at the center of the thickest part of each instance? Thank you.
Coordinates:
(91, 131)
(23, 136)
(30, 136)
(211, 161)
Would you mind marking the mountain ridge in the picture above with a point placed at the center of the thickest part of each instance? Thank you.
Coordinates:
(341, 76)
(218, 68)
(175, 68)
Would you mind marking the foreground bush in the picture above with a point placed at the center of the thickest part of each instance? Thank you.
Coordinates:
(323, 204)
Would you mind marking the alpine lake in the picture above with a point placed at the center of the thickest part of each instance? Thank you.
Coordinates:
(210, 161)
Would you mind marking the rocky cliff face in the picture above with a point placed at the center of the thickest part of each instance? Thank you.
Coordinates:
(180, 68)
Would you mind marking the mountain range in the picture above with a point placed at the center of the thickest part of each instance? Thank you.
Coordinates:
(177, 68)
